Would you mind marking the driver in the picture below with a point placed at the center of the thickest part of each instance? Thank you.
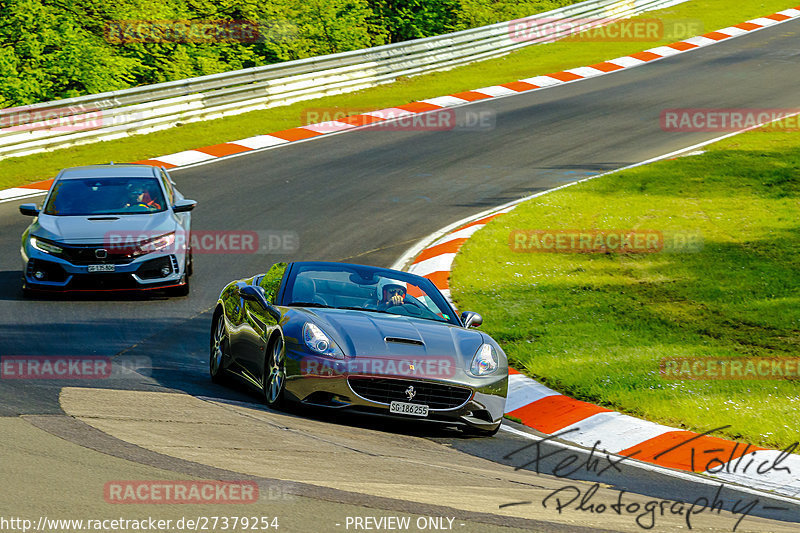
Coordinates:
(392, 294)
(140, 197)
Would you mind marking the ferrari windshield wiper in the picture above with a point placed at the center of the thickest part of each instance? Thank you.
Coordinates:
(365, 309)
(308, 304)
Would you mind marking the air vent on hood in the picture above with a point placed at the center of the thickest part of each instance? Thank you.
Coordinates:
(404, 341)
(103, 218)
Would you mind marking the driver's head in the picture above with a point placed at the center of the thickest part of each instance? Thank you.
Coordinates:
(393, 292)
(138, 193)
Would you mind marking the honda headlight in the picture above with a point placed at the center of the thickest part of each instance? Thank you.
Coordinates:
(485, 361)
(45, 246)
(154, 245)
(319, 342)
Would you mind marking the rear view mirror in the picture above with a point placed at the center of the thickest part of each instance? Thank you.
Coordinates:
(254, 293)
(184, 206)
(29, 210)
(471, 319)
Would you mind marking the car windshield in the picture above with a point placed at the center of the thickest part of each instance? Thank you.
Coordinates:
(366, 289)
(105, 196)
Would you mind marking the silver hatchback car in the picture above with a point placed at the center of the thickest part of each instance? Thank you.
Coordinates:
(109, 227)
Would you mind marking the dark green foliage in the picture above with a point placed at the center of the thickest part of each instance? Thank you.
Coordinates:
(53, 49)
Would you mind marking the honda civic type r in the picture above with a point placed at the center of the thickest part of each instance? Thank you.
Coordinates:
(360, 338)
(109, 227)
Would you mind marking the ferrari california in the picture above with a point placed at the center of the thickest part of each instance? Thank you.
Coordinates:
(360, 338)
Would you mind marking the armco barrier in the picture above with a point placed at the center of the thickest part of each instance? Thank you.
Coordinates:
(116, 114)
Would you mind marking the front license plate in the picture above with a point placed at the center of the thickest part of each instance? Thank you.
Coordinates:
(101, 268)
(413, 409)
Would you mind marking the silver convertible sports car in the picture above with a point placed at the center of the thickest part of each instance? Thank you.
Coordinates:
(108, 227)
(362, 338)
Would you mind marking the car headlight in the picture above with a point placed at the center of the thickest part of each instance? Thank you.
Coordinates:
(45, 246)
(318, 341)
(485, 361)
(154, 245)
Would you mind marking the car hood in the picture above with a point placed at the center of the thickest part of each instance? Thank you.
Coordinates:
(96, 228)
(364, 333)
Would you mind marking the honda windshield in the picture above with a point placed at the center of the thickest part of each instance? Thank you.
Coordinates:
(105, 196)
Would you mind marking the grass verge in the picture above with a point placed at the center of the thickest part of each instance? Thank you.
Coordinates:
(595, 326)
(531, 61)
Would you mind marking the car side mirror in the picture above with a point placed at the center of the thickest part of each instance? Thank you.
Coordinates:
(184, 206)
(471, 319)
(29, 210)
(255, 293)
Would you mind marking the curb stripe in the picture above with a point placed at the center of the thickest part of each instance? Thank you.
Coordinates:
(446, 247)
(684, 450)
(41, 185)
(157, 163)
(566, 76)
(419, 107)
(221, 150)
(472, 96)
(555, 412)
(295, 134)
(519, 86)
(605, 66)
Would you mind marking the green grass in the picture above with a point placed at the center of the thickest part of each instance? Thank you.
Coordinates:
(596, 326)
(531, 61)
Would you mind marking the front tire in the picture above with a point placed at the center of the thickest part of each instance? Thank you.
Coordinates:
(219, 344)
(273, 377)
(189, 264)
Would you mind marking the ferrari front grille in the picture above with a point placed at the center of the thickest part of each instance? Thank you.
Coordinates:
(387, 390)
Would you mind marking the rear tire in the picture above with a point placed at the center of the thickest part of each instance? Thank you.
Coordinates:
(273, 376)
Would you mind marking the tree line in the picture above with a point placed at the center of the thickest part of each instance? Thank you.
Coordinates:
(53, 49)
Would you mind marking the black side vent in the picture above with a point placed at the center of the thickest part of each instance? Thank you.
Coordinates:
(401, 340)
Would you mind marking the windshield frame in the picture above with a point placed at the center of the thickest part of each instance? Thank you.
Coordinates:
(424, 284)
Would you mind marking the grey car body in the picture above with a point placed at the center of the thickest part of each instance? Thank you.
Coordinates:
(261, 334)
(76, 250)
